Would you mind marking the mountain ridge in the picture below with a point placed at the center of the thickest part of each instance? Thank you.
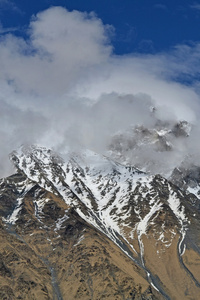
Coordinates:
(148, 218)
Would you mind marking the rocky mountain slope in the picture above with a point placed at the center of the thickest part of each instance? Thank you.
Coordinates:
(83, 226)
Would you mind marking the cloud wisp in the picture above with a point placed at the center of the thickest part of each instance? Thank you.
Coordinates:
(65, 86)
(9, 5)
(195, 6)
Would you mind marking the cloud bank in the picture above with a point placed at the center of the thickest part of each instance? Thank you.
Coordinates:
(64, 85)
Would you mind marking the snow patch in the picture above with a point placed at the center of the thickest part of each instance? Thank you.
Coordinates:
(143, 224)
(79, 240)
(60, 221)
(14, 216)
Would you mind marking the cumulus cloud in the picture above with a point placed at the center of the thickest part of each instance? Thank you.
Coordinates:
(61, 45)
(64, 85)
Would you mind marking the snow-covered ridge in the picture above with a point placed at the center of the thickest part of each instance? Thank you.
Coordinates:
(112, 192)
(120, 201)
(99, 183)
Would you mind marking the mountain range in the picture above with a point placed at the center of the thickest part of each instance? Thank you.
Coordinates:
(83, 225)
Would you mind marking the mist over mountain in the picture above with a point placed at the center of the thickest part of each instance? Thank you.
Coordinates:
(62, 84)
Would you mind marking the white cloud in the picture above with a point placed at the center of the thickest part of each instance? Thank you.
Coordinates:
(64, 84)
(62, 44)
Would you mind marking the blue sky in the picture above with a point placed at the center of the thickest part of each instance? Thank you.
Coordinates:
(145, 26)
(72, 77)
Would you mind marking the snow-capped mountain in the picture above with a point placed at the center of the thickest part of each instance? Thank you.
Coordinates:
(147, 226)
(155, 149)
(163, 149)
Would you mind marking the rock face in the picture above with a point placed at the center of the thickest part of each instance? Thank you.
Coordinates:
(85, 227)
